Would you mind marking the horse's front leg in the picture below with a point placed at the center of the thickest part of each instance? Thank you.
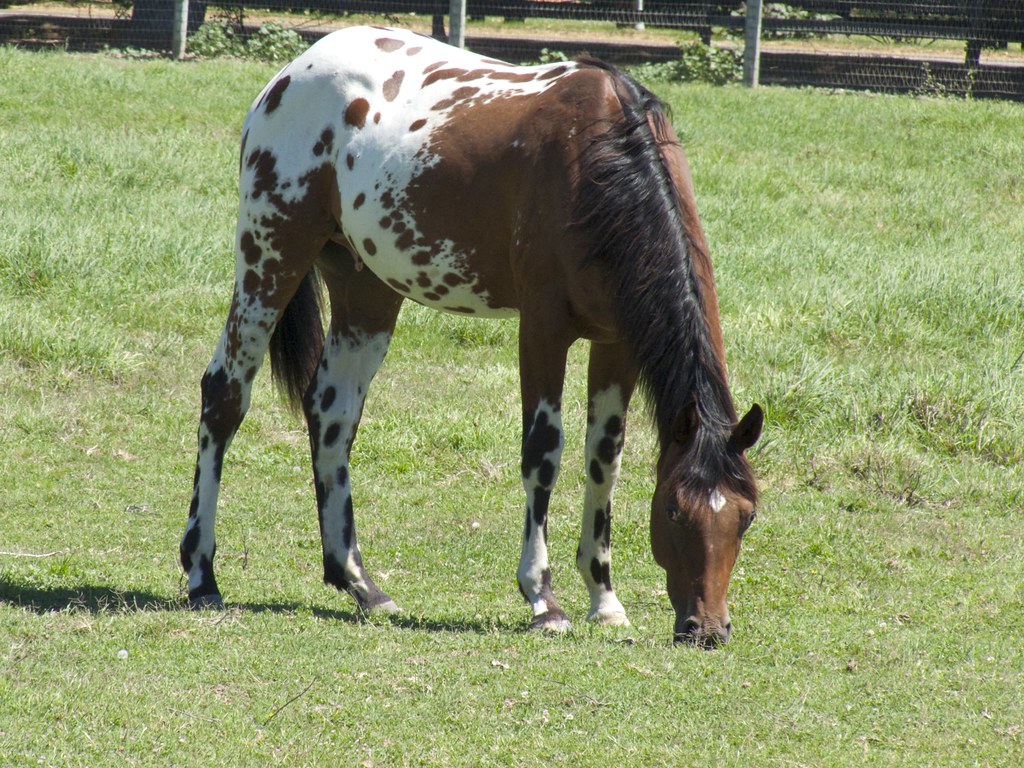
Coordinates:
(363, 314)
(610, 385)
(542, 371)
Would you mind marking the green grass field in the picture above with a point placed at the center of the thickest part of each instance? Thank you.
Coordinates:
(869, 255)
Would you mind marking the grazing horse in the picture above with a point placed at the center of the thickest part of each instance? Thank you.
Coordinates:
(386, 166)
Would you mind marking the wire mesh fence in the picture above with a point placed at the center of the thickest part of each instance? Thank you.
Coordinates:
(951, 47)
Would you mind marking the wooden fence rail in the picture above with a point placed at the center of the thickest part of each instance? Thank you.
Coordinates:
(979, 23)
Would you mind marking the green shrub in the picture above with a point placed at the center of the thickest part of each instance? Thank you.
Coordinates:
(214, 39)
(697, 62)
(271, 42)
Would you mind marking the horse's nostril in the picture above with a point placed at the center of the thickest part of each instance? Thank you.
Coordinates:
(725, 633)
(692, 632)
(687, 631)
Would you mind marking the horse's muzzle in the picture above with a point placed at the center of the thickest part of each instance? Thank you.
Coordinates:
(708, 634)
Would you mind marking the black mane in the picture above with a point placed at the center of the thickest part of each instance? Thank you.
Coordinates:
(629, 209)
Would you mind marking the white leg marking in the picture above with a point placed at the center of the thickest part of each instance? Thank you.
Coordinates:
(335, 406)
(541, 459)
(227, 389)
(605, 434)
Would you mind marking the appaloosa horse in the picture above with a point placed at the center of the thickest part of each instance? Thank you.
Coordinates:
(388, 167)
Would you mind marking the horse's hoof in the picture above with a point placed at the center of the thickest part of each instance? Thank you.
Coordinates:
(378, 605)
(388, 606)
(212, 602)
(552, 622)
(609, 618)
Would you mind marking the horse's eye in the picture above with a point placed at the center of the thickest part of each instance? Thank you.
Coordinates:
(672, 511)
(747, 521)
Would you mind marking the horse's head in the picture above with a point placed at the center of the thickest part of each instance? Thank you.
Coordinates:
(704, 502)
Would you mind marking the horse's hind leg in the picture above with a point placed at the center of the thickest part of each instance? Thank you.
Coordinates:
(610, 385)
(226, 388)
(276, 247)
(363, 315)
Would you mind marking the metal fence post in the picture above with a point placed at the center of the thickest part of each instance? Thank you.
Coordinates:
(457, 23)
(179, 33)
(752, 45)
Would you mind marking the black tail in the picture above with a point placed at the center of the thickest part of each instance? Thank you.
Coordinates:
(298, 341)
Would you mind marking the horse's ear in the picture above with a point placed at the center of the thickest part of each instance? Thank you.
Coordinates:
(684, 428)
(748, 430)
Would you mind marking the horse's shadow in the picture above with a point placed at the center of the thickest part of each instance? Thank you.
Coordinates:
(475, 626)
(90, 598)
(99, 599)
